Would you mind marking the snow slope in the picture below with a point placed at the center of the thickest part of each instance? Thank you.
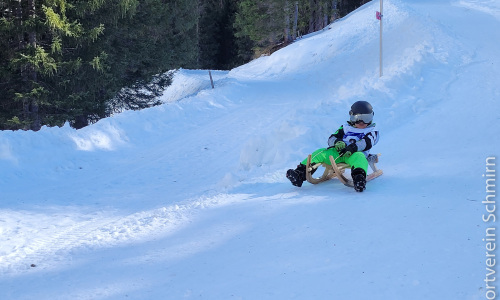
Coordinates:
(189, 199)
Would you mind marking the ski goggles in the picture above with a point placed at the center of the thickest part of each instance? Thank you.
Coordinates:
(365, 118)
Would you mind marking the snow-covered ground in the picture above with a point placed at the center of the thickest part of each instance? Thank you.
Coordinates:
(188, 200)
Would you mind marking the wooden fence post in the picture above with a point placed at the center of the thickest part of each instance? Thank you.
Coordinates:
(381, 18)
(211, 80)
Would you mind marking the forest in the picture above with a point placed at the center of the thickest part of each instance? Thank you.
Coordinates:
(79, 61)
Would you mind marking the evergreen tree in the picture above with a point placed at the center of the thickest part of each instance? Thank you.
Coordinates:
(80, 61)
(159, 37)
(26, 61)
(49, 70)
(255, 21)
(267, 25)
(217, 43)
(66, 59)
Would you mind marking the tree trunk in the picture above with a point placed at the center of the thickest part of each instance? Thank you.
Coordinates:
(335, 11)
(287, 35)
(18, 15)
(319, 17)
(312, 5)
(295, 19)
(20, 45)
(33, 106)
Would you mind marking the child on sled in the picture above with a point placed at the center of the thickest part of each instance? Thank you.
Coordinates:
(350, 144)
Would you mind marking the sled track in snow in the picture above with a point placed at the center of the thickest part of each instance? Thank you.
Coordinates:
(46, 247)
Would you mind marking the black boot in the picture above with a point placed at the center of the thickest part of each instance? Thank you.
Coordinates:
(359, 178)
(313, 169)
(297, 176)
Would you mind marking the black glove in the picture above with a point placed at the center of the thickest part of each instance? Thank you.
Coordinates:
(348, 150)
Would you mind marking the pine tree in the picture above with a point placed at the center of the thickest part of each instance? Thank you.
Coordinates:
(67, 59)
(268, 23)
(46, 49)
(156, 36)
(255, 20)
(80, 61)
(217, 43)
(26, 61)
(159, 38)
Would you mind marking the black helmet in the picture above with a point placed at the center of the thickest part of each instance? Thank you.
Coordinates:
(361, 111)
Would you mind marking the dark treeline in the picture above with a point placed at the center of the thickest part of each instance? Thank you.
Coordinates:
(79, 61)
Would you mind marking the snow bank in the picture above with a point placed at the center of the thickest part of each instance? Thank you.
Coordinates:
(189, 199)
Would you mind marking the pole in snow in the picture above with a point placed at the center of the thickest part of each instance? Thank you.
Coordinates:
(211, 80)
(379, 17)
